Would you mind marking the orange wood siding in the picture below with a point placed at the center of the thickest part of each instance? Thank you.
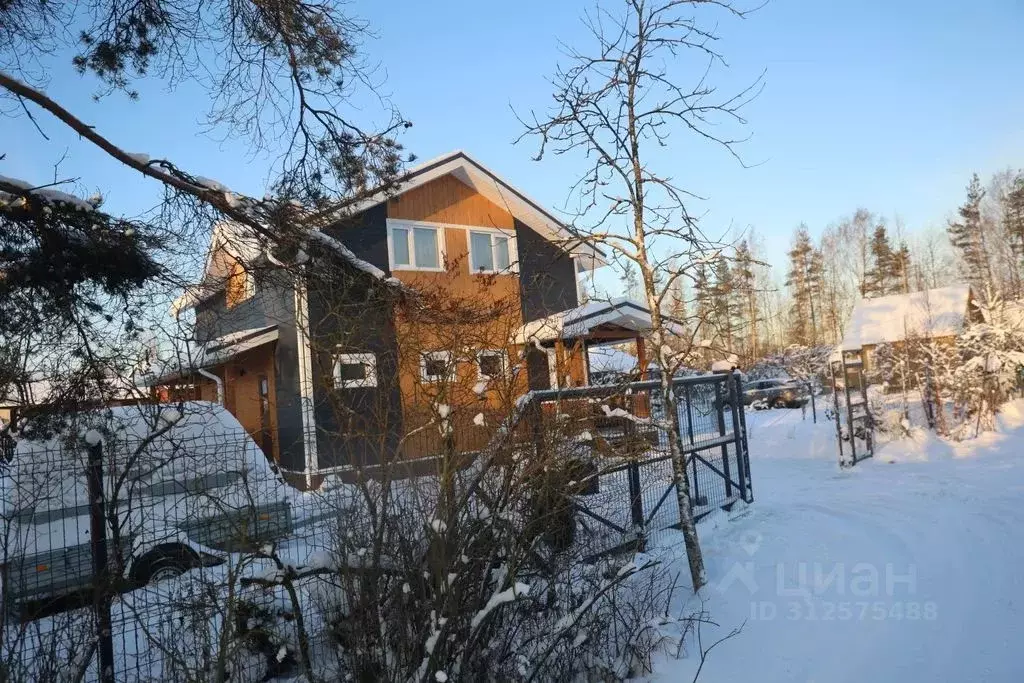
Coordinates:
(242, 392)
(571, 372)
(448, 201)
(235, 290)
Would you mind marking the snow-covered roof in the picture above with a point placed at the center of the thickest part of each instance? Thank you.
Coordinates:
(931, 313)
(214, 352)
(242, 244)
(582, 320)
(611, 359)
(497, 190)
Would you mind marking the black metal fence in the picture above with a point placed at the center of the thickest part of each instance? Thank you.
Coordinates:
(101, 513)
(625, 447)
(148, 543)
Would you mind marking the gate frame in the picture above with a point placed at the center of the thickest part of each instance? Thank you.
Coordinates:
(641, 522)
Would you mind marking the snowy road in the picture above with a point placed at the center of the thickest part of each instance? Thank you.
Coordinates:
(909, 567)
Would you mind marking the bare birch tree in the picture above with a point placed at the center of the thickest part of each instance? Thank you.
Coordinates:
(617, 104)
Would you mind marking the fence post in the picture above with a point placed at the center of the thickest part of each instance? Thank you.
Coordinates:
(537, 426)
(738, 432)
(695, 498)
(720, 411)
(636, 501)
(849, 413)
(746, 439)
(100, 566)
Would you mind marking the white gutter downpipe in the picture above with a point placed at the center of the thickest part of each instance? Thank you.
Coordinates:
(216, 380)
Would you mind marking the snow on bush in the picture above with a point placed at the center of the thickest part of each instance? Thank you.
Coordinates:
(992, 356)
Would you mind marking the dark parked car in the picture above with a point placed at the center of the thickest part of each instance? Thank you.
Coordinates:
(773, 393)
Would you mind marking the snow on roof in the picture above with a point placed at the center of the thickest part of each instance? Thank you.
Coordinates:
(577, 322)
(214, 352)
(242, 244)
(611, 359)
(496, 189)
(931, 313)
(580, 321)
(33, 393)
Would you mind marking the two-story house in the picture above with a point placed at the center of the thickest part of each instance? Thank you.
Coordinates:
(434, 305)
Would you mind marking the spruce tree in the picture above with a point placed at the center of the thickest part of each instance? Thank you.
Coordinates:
(1013, 224)
(879, 281)
(804, 279)
(702, 291)
(967, 235)
(744, 283)
(723, 294)
(900, 276)
(631, 283)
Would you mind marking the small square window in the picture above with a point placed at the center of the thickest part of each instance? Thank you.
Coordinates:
(354, 370)
(491, 364)
(436, 366)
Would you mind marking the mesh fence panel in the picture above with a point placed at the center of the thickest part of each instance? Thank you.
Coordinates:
(198, 529)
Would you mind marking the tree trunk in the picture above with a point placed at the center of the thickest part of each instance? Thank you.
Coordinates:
(694, 555)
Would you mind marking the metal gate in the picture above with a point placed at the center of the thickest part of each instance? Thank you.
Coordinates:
(854, 422)
(634, 491)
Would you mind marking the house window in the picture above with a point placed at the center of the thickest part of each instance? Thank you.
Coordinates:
(491, 364)
(436, 366)
(491, 251)
(355, 370)
(240, 287)
(415, 246)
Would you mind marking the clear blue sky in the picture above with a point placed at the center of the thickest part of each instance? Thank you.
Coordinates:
(880, 104)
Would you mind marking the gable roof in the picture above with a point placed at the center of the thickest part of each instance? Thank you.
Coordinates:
(629, 314)
(932, 313)
(210, 353)
(241, 244)
(498, 191)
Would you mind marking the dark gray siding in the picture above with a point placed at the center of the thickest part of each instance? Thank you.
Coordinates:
(355, 425)
(366, 235)
(273, 304)
(547, 279)
(538, 373)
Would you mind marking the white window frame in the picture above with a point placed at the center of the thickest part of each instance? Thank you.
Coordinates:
(442, 251)
(553, 368)
(513, 250)
(500, 354)
(367, 360)
(445, 356)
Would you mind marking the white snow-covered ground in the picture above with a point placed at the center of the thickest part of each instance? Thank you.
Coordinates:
(909, 567)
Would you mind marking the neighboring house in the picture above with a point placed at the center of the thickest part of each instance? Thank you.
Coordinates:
(346, 366)
(934, 314)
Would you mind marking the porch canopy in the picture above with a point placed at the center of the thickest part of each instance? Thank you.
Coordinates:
(213, 353)
(596, 322)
